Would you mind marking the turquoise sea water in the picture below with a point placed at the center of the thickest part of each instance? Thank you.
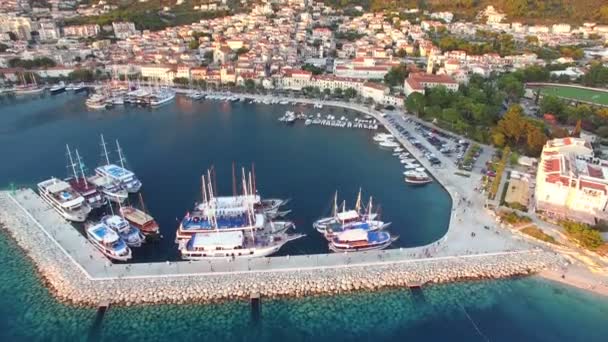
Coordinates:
(169, 147)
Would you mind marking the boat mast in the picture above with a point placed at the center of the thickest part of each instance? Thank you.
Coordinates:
(253, 171)
(203, 189)
(214, 179)
(233, 181)
(122, 159)
(81, 165)
(335, 211)
(249, 205)
(369, 207)
(72, 162)
(211, 204)
(250, 185)
(344, 206)
(105, 151)
(141, 203)
(358, 204)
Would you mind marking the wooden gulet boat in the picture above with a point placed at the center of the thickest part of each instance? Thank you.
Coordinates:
(140, 219)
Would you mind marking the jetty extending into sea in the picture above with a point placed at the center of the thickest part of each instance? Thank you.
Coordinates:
(77, 273)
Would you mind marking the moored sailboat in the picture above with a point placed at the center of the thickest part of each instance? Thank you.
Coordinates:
(119, 174)
(345, 217)
(140, 219)
(81, 184)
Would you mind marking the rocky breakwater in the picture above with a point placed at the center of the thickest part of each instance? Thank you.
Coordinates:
(71, 284)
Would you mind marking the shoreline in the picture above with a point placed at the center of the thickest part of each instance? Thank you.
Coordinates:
(574, 280)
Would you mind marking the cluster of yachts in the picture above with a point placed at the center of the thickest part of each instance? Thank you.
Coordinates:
(414, 172)
(239, 226)
(328, 120)
(109, 96)
(354, 230)
(33, 88)
(75, 197)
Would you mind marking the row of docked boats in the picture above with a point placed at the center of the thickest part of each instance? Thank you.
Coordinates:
(240, 226)
(78, 195)
(145, 96)
(354, 230)
(31, 87)
(414, 173)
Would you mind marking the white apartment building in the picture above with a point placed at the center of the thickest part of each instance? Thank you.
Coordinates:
(20, 26)
(81, 30)
(123, 30)
(570, 182)
(159, 72)
(48, 31)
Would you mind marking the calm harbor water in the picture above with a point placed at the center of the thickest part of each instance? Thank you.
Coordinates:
(170, 147)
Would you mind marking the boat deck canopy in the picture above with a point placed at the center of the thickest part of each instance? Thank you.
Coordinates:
(353, 235)
(57, 186)
(137, 216)
(102, 233)
(348, 215)
(116, 171)
(226, 240)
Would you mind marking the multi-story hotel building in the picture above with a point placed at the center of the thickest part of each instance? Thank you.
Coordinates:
(571, 182)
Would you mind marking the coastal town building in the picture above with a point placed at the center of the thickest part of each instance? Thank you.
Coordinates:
(418, 82)
(571, 182)
(81, 31)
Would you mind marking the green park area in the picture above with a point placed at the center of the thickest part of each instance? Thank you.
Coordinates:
(594, 96)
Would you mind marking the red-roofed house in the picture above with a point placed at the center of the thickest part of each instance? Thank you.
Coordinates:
(418, 82)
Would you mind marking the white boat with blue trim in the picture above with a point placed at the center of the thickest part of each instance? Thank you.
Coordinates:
(119, 174)
(358, 240)
(108, 242)
(131, 235)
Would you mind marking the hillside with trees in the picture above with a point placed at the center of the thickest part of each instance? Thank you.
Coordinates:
(149, 15)
(527, 11)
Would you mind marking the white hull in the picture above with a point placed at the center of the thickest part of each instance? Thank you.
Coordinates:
(79, 215)
(238, 253)
(116, 197)
(28, 91)
(336, 249)
(108, 253)
(96, 105)
(156, 103)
